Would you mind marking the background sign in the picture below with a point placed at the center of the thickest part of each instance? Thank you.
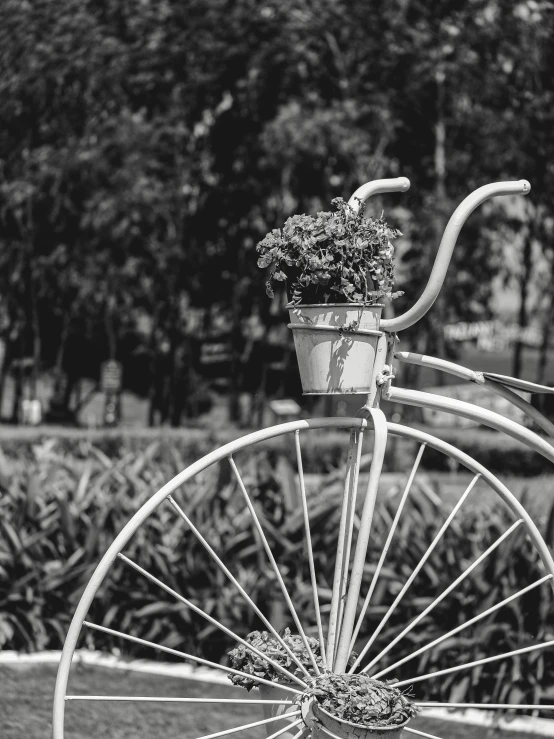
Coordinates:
(110, 376)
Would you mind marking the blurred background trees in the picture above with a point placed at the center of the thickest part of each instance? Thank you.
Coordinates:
(146, 146)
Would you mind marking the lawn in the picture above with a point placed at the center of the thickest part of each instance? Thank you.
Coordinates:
(26, 699)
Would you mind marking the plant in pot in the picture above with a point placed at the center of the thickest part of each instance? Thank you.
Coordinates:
(356, 707)
(338, 266)
(247, 661)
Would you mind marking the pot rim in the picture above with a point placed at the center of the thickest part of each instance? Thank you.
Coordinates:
(290, 306)
(385, 727)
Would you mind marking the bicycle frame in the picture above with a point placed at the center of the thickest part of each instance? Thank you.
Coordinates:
(386, 354)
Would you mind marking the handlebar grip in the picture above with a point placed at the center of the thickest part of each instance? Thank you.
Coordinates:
(444, 253)
(392, 184)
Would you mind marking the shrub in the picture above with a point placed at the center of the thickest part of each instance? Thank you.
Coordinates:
(59, 514)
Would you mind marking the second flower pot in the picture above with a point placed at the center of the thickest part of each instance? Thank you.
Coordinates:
(270, 693)
(347, 730)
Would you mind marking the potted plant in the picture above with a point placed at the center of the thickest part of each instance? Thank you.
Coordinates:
(356, 707)
(339, 266)
(243, 659)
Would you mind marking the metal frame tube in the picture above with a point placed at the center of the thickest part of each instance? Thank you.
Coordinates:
(364, 192)
(444, 253)
(479, 378)
(344, 536)
(360, 554)
(523, 405)
(473, 413)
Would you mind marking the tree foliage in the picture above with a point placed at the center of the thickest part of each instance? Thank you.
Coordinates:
(145, 147)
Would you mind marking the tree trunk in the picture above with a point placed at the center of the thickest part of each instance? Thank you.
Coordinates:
(153, 392)
(437, 316)
(236, 335)
(37, 344)
(18, 381)
(4, 369)
(545, 344)
(524, 279)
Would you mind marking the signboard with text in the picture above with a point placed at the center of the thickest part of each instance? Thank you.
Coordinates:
(111, 373)
(493, 336)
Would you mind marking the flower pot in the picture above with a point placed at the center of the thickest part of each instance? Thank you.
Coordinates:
(336, 344)
(327, 726)
(268, 693)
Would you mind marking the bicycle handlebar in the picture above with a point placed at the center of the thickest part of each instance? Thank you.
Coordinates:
(393, 184)
(448, 242)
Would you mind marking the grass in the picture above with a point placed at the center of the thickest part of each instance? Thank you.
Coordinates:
(26, 703)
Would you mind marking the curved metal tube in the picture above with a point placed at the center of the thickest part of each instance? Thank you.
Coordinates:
(393, 184)
(479, 379)
(448, 242)
(539, 418)
(473, 413)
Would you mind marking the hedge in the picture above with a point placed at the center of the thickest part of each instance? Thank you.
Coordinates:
(322, 452)
(58, 515)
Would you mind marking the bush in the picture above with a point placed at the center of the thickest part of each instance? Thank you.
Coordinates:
(59, 513)
(497, 452)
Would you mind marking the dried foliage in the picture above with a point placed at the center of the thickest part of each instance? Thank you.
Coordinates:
(244, 659)
(361, 700)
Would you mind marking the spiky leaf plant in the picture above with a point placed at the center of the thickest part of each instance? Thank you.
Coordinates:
(361, 700)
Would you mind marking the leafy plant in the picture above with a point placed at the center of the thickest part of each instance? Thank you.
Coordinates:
(335, 257)
(247, 661)
(361, 699)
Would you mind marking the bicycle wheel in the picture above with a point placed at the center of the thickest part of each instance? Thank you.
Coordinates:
(348, 600)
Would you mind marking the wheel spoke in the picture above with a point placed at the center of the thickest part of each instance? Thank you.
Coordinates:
(344, 538)
(414, 574)
(212, 620)
(162, 699)
(291, 725)
(490, 706)
(443, 595)
(475, 663)
(274, 565)
(264, 721)
(465, 625)
(184, 655)
(421, 733)
(309, 546)
(235, 582)
(386, 547)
